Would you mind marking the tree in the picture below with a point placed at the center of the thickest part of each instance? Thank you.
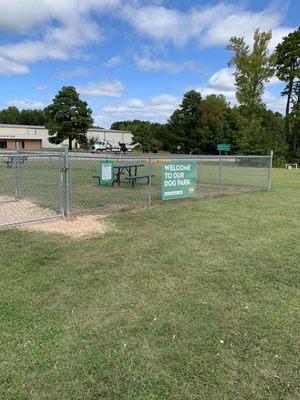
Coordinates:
(215, 122)
(68, 117)
(150, 136)
(252, 69)
(288, 69)
(263, 134)
(10, 115)
(295, 119)
(32, 117)
(185, 123)
(143, 136)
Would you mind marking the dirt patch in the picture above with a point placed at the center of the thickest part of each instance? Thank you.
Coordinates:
(79, 227)
(14, 212)
(25, 211)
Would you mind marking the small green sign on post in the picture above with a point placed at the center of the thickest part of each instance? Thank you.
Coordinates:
(223, 147)
(179, 180)
(106, 173)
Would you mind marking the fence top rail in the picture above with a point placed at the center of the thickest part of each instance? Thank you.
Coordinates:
(109, 156)
(127, 156)
(30, 155)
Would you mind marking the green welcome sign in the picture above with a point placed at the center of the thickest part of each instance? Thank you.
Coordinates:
(106, 173)
(178, 180)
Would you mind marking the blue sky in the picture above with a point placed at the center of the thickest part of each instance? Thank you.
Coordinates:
(130, 59)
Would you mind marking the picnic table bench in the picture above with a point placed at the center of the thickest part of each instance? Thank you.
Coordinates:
(8, 161)
(131, 169)
(291, 165)
(121, 169)
(115, 177)
(135, 178)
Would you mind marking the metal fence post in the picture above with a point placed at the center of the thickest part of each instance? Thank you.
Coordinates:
(150, 182)
(17, 178)
(270, 171)
(220, 174)
(62, 185)
(67, 183)
(199, 175)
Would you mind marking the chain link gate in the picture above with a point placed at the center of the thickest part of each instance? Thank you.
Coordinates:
(31, 187)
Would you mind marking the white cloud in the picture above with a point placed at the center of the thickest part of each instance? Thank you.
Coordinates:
(41, 88)
(9, 67)
(222, 80)
(273, 81)
(148, 64)
(159, 23)
(27, 104)
(113, 62)
(19, 18)
(58, 43)
(158, 108)
(274, 101)
(243, 23)
(63, 28)
(73, 73)
(228, 94)
(113, 89)
(210, 26)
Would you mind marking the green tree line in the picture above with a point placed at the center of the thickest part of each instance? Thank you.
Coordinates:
(199, 125)
(12, 115)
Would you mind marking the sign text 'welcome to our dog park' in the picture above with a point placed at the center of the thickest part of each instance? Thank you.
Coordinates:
(178, 180)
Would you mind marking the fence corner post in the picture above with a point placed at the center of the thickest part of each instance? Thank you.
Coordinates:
(67, 182)
(270, 171)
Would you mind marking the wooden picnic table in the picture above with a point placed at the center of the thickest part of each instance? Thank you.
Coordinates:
(120, 169)
(131, 169)
(9, 160)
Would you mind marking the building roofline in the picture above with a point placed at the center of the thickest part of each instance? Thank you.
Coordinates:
(21, 126)
(43, 127)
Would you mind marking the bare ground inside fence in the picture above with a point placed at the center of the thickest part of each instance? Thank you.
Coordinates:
(24, 211)
(13, 212)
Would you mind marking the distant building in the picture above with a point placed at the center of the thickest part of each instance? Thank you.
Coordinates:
(36, 137)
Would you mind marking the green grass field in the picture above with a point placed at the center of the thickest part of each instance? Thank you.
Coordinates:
(186, 301)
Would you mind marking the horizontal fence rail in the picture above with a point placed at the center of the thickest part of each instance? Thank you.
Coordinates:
(42, 185)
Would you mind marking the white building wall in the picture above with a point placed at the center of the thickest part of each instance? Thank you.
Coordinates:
(22, 132)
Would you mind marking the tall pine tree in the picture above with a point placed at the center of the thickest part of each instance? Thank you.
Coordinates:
(68, 117)
(288, 71)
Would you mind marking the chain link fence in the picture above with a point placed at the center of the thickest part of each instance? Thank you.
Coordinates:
(30, 187)
(40, 185)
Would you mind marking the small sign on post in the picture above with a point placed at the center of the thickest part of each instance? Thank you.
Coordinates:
(178, 180)
(106, 173)
(223, 147)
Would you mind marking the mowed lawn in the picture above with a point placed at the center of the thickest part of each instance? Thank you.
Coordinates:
(185, 301)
